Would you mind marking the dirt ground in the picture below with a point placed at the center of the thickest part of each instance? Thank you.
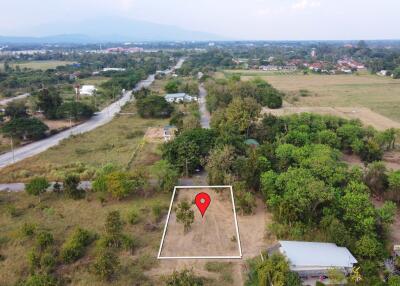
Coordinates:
(391, 160)
(253, 236)
(154, 134)
(211, 235)
(366, 115)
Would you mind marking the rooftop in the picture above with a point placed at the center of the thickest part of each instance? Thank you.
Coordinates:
(304, 255)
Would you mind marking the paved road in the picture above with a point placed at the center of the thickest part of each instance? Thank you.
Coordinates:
(8, 100)
(205, 115)
(101, 118)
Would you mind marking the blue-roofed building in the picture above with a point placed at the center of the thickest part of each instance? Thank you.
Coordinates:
(315, 259)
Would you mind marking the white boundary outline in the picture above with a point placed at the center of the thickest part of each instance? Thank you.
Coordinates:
(200, 257)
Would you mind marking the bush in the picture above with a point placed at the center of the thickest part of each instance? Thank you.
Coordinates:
(106, 265)
(185, 277)
(74, 247)
(41, 280)
(134, 217)
(71, 189)
(44, 239)
(37, 186)
(28, 229)
(76, 110)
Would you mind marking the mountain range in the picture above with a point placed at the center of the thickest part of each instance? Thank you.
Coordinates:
(107, 29)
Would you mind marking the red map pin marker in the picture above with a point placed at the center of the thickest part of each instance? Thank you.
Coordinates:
(202, 201)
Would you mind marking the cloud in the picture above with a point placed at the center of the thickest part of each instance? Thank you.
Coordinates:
(305, 4)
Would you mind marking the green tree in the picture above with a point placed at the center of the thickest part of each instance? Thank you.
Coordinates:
(49, 102)
(396, 73)
(219, 165)
(166, 175)
(16, 109)
(172, 86)
(25, 129)
(184, 215)
(336, 276)
(37, 186)
(75, 110)
(154, 106)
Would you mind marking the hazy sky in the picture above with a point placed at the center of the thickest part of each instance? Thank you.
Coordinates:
(239, 19)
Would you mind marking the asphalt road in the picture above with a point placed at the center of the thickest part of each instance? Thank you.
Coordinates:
(101, 118)
(205, 115)
(8, 100)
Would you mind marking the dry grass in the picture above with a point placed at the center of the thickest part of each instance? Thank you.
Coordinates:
(380, 94)
(38, 65)
(61, 216)
(111, 143)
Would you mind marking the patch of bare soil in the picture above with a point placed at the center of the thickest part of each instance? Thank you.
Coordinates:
(154, 134)
(366, 115)
(253, 236)
(211, 235)
(392, 160)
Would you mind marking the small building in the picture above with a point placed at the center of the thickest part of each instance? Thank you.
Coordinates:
(169, 132)
(314, 259)
(113, 69)
(179, 97)
(87, 90)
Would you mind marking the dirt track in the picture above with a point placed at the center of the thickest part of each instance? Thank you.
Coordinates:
(366, 115)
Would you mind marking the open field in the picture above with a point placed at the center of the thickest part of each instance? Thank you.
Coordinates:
(366, 115)
(38, 65)
(112, 143)
(61, 216)
(211, 235)
(380, 94)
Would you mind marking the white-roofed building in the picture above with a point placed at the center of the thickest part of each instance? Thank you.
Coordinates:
(179, 97)
(315, 259)
(87, 90)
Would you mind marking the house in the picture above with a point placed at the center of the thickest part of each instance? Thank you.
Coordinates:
(169, 132)
(314, 259)
(87, 90)
(179, 97)
(113, 69)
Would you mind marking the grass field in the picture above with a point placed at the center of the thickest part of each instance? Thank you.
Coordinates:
(38, 65)
(380, 94)
(114, 142)
(61, 216)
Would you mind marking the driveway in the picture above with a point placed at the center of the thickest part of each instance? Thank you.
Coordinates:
(205, 115)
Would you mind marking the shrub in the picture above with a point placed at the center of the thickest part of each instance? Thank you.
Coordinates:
(41, 280)
(71, 187)
(37, 186)
(154, 106)
(44, 239)
(47, 261)
(185, 277)
(106, 265)
(113, 227)
(74, 247)
(133, 217)
(28, 229)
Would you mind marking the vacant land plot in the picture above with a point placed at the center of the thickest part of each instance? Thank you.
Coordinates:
(61, 216)
(380, 94)
(366, 115)
(211, 235)
(254, 238)
(38, 65)
(114, 142)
